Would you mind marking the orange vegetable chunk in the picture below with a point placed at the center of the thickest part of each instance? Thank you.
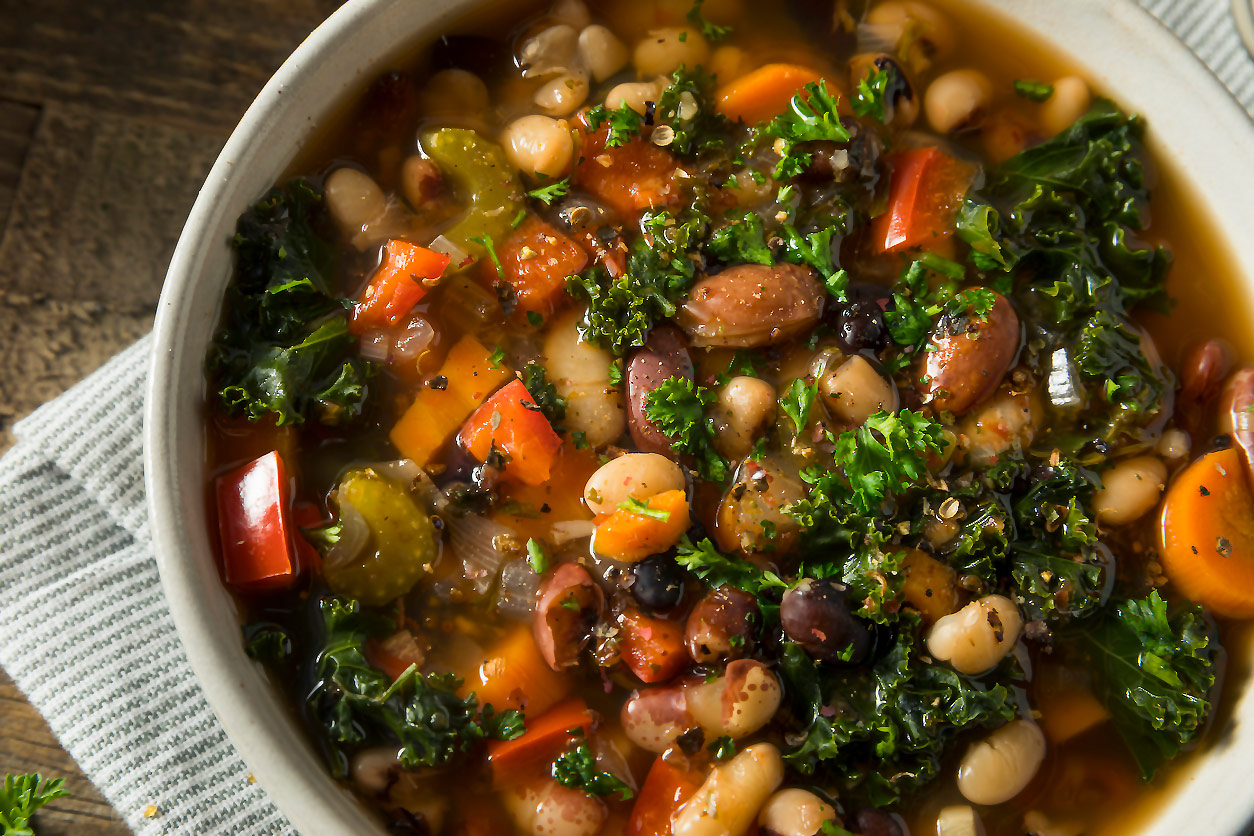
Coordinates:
(652, 648)
(511, 422)
(764, 93)
(513, 674)
(1207, 528)
(629, 178)
(546, 735)
(631, 536)
(665, 789)
(924, 196)
(397, 285)
(536, 260)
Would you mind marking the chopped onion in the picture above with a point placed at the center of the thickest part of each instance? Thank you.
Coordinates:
(415, 339)
(354, 535)
(471, 537)
(442, 244)
(879, 37)
(564, 532)
(519, 584)
(375, 345)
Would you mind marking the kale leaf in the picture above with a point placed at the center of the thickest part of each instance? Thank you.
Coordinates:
(544, 393)
(686, 108)
(353, 703)
(811, 117)
(285, 348)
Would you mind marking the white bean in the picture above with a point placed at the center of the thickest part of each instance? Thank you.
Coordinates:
(997, 768)
(958, 820)
(725, 805)
(1003, 423)
(563, 94)
(549, 51)
(745, 406)
(855, 390)
(548, 807)
(451, 92)
(795, 812)
(738, 703)
(934, 36)
(662, 51)
(1069, 102)
(635, 94)
(602, 52)
(580, 372)
(978, 636)
(354, 199)
(1129, 490)
(539, 145)
(638, 475)
(955, 99)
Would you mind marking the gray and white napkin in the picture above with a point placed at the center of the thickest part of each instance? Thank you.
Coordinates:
(85, 631)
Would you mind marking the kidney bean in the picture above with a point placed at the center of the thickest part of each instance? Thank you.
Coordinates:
(960, 370)
(664, 355)
(720, 626)
(563, 629)
(752, 305)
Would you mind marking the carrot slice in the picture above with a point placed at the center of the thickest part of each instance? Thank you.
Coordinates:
(634, 535)
(513, 674)
(764, 93)
(397, 285)
(544, 737)
(536, 260)
(665, 789)
(511, 422)
(652, 648)
(1207, 528)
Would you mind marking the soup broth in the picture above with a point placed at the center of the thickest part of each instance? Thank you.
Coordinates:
(748, 409)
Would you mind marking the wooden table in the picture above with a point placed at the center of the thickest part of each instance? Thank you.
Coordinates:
(110, 116)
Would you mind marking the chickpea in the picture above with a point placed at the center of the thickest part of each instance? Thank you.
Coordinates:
(725, 805)
(1004, 134)
(1130, 490)
(661, 51)
(1069, 102)
(580, 372)
(354, 199)
(998, 768)
(1002, 424)
(958, 820)
(855, 390)
(1174, 445)
(794, 812)
(563, 94)
(637, 475)
(933, 33)
(729, 63)
(635, 94)
(746, 405)
(978, 636)
(602, 52)
(574, 13)
(539, 145)
(736, 704)
(454, 92)
(956, 99)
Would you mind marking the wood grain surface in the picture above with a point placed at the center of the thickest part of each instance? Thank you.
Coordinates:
(110, 116)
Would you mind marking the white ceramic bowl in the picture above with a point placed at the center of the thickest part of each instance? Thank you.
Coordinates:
(1124, 50)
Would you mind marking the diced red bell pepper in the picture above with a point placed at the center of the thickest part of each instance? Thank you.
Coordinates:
(536, 259)
(397, 285)
(253, 520)
(545, 736)
(665, 789)
(926, 191)
(652, 648)
(511, 422)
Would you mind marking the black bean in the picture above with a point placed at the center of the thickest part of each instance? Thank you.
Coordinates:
(860, 326)
(874, 823)
(659, 582)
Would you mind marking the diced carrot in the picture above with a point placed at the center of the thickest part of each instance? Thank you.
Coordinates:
(665, 789)
(631, 536)
(536, 260)
(397, 285)
(763, 93)
(1067, 714)
(1208, 534)
(513, 674)
(254, 524)
(924, 196)
(395, 654)
(930, 587)
(545, 736)
(652, 648)
(467, 376)
(511, 422)
(629, 178)
(532, 510)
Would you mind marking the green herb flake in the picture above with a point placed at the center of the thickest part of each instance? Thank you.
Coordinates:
(1036, 91)
(537, 556)
(551, 193)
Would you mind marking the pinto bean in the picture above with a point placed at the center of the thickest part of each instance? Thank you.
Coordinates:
(547, 807)
(665, 354)
(736, 704)
(563, 629)
(653, 717)
(720, 626)
(752, 305)
(960, 370)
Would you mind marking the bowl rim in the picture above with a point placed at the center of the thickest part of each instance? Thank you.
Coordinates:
(241, 697)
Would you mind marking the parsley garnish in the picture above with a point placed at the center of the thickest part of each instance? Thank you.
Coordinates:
(811, 117)
(642, 509)
(798, 401)
(717, 569)
(677, 409)
(624, 123)
(21, 796)
(537, 556)
(487, 243)
(497, 357)
(712, 32)
(1037, 91)
(869, 97)
(577, 768)
(552, 192)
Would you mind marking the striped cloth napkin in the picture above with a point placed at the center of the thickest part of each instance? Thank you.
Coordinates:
(87, 633)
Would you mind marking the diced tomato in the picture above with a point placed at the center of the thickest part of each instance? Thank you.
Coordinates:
(511, 422)
(397, 285)
(652, 648)
(665, 789)
(924, 196)
(253, 520)
(536, 260)
(629, 178)
(545, 736)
